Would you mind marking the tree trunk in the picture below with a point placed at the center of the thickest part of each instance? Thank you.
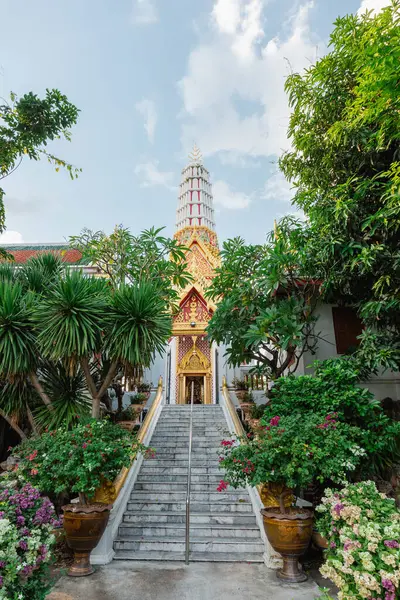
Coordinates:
(88, 377)
(32, 421)
(103, 389)
(36, 384)
(13, 425)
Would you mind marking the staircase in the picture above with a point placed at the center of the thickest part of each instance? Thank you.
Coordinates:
(222, 525)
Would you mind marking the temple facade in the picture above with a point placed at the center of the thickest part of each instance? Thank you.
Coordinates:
(190, 357)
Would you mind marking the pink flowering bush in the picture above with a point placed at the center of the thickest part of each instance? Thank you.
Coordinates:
(294, 451)
(26, 541)
(362, 527)
(77, 460)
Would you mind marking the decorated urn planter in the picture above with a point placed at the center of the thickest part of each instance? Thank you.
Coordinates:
(82, 461)
(289, 453)
(289, 534)
(319, 540)
(84, 525)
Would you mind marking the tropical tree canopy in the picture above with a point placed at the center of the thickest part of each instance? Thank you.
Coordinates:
(27, 125)
(345, 168)
(127, 259)
(265, 309)
(62, 330)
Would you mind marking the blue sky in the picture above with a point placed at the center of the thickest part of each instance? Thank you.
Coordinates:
(151, 77)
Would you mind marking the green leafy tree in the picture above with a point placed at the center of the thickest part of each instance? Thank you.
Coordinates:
(127, 259)
(345, 167)
(265, 310)
(27, 125)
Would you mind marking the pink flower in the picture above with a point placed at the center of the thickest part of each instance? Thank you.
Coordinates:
(274, 421)
(227, 442)
(391, 544)
(84, 445)
(222, 486)
(33, 455)
(34, 471)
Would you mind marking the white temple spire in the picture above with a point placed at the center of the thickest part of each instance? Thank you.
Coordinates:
(195, 202)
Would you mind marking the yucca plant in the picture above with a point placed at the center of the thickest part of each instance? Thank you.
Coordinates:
(40, 272)
(68, 392)
(18, 349)
(82, 318)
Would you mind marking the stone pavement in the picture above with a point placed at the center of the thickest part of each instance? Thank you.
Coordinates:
(129, 580)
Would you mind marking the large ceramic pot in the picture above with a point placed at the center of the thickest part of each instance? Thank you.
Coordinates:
(289, 534)
(270, 494)
(246, 408)
(84, 525)
(319, 541)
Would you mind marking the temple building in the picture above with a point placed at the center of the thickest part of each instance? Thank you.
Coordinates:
(190, 357)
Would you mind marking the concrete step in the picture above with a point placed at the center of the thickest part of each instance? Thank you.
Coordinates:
(223, 526)
(193, 556)
(198, 466)
(159, 518)
(174, 544)
(136, 505)
(165, 478)
(176, 496)
(197, 531)
(158, 486)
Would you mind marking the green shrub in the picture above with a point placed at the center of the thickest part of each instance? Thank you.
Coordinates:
(334, 389)
(77, 460)
(144, 387)
(362, 527)
(257, 411)
(26, 542)
(139, 398)
(294, 451)
(239, 384)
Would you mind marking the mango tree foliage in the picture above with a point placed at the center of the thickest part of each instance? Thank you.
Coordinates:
(265, 310)
(345, 167)
(27, 125)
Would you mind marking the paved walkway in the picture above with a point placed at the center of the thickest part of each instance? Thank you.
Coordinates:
(174, 581)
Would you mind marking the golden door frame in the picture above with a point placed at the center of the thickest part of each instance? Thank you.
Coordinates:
(194, 364)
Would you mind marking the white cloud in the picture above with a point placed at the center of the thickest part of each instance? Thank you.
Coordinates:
(143, 12)
(147, 109)
(242, 20)
(277, 188)
(152, 176)
(375, 5)
(227, 198)
(11, 237)
(233, 91)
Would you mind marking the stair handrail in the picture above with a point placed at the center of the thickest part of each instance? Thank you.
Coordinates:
(109, 491)
(189, 479)
(229, 404)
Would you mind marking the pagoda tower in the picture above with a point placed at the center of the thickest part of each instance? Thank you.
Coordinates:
(190, 356)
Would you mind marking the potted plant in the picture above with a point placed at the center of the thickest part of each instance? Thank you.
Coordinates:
(255, 415)
(79, 460)
(247, 403)
(139, 399)
(128, 418)
(288, 455)
(26, 541)
(144, 388)
(362, 527)
(241, 387)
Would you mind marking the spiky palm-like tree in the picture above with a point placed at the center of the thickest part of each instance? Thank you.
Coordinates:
(82, 316)
(18, 349)
(68, 392)
(40, 272)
